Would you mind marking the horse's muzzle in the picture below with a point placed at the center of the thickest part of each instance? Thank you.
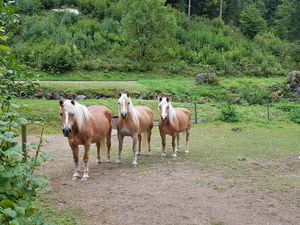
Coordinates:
(164, 119)
(66, 131)
(123, 115)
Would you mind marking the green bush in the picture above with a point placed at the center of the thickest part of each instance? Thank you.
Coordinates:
(29, 6)
(228, 114)
(295, 115)
(251, 21)
(95, 8)
(58, 58)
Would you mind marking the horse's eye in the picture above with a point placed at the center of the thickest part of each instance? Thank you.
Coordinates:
(159, 107)
(60, 114)
(168, 107)
(128, 103)
(119, 103)
(71, 114)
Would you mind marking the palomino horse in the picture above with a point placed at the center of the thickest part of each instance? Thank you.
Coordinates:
(84, 126)
(133, 121)
(172, 122)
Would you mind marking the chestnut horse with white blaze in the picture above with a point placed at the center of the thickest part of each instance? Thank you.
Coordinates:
(172, 122)
(133, 122)
(85, 126)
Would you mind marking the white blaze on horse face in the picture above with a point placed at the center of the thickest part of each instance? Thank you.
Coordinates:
(123, 103)
(163, 106)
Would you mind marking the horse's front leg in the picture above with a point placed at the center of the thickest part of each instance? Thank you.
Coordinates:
(174, 136)
(120, 139)
(86, 161)
(134, 149)
(75, 151)
(140, 143)
(163, 143)
(177, 146)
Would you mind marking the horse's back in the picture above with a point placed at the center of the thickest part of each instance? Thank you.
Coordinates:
(146, 116)
(184, 117)
(102, 120)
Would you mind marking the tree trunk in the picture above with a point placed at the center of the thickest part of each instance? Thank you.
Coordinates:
(221, 9)
(189, 8)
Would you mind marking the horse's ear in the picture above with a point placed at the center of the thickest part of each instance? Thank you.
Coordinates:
(168, 99)
(120, 94)
(72, 102)
(159, 98)
(127, 95)
(61, 102)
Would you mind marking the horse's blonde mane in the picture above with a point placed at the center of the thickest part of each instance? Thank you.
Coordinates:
(131, 109)
(172, 114)
(80, 112)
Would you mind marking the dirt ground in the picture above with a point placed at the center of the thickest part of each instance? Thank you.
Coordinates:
(163, 192)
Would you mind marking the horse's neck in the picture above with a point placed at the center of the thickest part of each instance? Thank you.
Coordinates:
(172, 115)
(75, 128)
(132, 116)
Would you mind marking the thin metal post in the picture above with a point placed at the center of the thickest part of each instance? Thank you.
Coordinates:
(24, 142)
(268, 111)
(189, 8)
(195, 108)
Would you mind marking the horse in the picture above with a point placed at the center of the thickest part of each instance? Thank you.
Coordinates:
(172, 122)
(85, 126)
(133, 121)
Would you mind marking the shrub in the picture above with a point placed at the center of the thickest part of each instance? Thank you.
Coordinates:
(29, 6)
(58, 58)
(228, 114)
(295, 115)
(252, 21)
(95, 8)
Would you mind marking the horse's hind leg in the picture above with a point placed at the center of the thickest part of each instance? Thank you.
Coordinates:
(187, 141)
(177, 145)
(98, 152)
(120, 138)
(86, 161)
(140, 144)
(134, 149)
(108, 145)
(75, 151)
(149, 140)
(174, 155)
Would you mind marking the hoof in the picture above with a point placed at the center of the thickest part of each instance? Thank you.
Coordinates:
(139, 154)
(149, 153)
(85, 177)
(108, 161)
(75, 178)
(186, 151)
(98, 161)
(163, 154)
(118, 161)
(174, 155)
(134, 163)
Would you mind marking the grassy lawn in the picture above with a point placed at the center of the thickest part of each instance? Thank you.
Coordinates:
(46, 111)
(241, 89)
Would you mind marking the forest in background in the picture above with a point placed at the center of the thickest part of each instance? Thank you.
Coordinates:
(252, 37)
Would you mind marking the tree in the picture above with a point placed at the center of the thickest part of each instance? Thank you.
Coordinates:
(145, 22)
(252, 21)
(288, 20)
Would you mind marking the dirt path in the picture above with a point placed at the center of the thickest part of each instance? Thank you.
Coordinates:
(164, 192)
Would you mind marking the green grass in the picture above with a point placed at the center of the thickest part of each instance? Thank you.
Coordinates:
(54, 216)
(83, 75)
(243, 89)
(47, 111)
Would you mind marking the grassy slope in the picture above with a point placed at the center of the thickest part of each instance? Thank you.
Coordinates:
(181, 88)
(35, 109)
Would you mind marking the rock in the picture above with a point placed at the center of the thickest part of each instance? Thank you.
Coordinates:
(39, 94)
(53, 96)
(69, 10)
(293, 83)
(206, 78)
(80, 97)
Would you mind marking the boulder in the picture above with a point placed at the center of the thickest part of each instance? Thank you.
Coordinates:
(293, 83)
(80, 97)
(206, 78)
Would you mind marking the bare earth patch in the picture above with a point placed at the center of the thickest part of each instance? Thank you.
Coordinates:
(163, 192)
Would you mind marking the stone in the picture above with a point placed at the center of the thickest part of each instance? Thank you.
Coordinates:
(80, 97)
(206, 78)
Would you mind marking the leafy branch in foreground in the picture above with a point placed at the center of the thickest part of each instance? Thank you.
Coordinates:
(19, 185)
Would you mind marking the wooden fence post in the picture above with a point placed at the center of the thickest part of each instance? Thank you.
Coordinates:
(195, 108)
(24, 142)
